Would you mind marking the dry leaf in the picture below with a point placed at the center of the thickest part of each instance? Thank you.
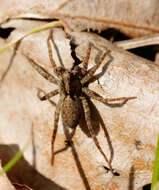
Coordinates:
(21, 187)
(4, 182)
(132, 128)
(133, 18)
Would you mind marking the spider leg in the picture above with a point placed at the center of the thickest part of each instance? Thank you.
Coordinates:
(94, 78)
(56, 119)
(48, 95)
(68, 141)
(50, 51)
(57, 51)
(85, 63)
(70, 144)
(93, 69)
(96, 96)
(88, 120)
(69, 136)
(42, 71)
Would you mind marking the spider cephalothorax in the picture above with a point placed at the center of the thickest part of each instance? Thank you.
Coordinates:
(71, 83)
(74, 93)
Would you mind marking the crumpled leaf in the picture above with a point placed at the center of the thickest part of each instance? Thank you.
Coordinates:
(133, 18)
(132, 128)
(21, 187)
(5, 183)
(44, 27)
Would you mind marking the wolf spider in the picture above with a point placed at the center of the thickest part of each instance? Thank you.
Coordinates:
(74, 94)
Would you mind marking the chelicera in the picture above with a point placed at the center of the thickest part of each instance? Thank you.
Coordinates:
(74, 93)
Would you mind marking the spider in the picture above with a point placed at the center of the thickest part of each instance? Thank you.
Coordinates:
(74, 94)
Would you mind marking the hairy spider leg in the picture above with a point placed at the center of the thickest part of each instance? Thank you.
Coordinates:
(42, 71)
(57, 51)
(56, 119)
(92, 132)
(96, 96)
(93, 69)
(50, 51)
(39, 96)
(48, 95)
(85, 63)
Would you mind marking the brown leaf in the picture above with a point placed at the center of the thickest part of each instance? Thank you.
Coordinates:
(21, 187)
(131, 130)
(132, 18)
(4, 182)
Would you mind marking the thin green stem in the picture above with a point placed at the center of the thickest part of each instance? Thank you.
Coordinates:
(14, 160)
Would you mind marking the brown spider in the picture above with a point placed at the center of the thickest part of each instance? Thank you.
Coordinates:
(74, 93)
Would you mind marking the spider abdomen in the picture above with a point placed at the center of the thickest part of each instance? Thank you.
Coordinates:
(71, 111)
